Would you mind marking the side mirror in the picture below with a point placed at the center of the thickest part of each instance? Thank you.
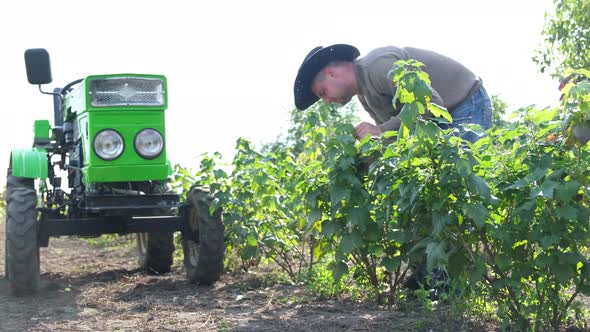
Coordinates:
(38, 66)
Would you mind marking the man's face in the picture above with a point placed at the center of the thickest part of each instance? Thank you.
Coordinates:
(331, 86)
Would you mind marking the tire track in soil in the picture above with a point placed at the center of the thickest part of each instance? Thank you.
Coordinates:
(85, 288)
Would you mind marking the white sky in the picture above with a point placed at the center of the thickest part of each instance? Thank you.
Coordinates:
(230, 64)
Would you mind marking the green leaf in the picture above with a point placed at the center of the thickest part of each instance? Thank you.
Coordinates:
(219, 174)
(314, 215)
(405, 96)
(567, 213)
(527, 206)
(477, 270)
(364, 141)
(396, 72)
(338, 270)
(476, 212)
(428, 129)
(403, 132)
(479, 185)
(250, 252)
(439, 221)
(317, 249)
(350, 241)
(548, 241)
(329, 228)
(437, 204)
(422, 91)
(409, 113)
(503, 261)
(359, 216)
(584, 289)
(519, 184)
(556, 174)
(458, 263)
(376, 250)
(389, 152)
(270, 240)
(436, 255)
(399, 236)
(565, 192)
(543, 260)
(390, 134)
(439, 111)
(536, 175)
(585, 270)
(422, 74)
(407, 81)
(543, 116)
(562, 272)
(519, 243)
(252, 240)
(338, 193)
(546, 189)
(574, 259)
(372, 232)
(391, 263)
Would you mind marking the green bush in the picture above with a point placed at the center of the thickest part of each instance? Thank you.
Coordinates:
(507, 217)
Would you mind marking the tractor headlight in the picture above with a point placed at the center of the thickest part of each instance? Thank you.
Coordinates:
(126, 91)
(149, 143)
(108, 144)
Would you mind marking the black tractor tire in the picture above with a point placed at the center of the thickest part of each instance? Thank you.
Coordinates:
(204, 252)
(155, 251)
(22, 247)
(5, 248)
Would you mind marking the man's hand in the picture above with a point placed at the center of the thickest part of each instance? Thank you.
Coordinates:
(365, 128)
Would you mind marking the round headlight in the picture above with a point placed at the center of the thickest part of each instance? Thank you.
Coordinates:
(108, 144)
(149, 143)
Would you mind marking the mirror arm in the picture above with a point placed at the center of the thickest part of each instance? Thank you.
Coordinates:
(51, 93)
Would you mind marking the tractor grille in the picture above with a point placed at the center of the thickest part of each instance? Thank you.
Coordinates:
(126, 91)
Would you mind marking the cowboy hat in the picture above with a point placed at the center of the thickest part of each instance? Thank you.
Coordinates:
(313, 63)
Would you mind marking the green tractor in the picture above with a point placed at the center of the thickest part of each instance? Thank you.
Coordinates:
(108, 145)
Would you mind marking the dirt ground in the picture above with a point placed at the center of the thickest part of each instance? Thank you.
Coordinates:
(88, 288)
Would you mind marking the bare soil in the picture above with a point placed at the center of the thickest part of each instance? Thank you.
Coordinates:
(90, 288)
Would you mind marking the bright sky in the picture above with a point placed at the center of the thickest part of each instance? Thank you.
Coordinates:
(230, 64)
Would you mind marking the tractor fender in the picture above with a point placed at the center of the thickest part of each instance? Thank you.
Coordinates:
(29, 163)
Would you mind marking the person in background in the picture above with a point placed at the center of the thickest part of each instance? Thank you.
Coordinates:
(336, 74)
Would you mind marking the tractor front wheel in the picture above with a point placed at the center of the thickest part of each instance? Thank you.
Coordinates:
(22, 248)
(156, 250)
(204, 251)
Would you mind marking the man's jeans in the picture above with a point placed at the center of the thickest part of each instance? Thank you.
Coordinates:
(475, 109)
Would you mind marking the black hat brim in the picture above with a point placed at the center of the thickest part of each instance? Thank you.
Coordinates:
(312, 65)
